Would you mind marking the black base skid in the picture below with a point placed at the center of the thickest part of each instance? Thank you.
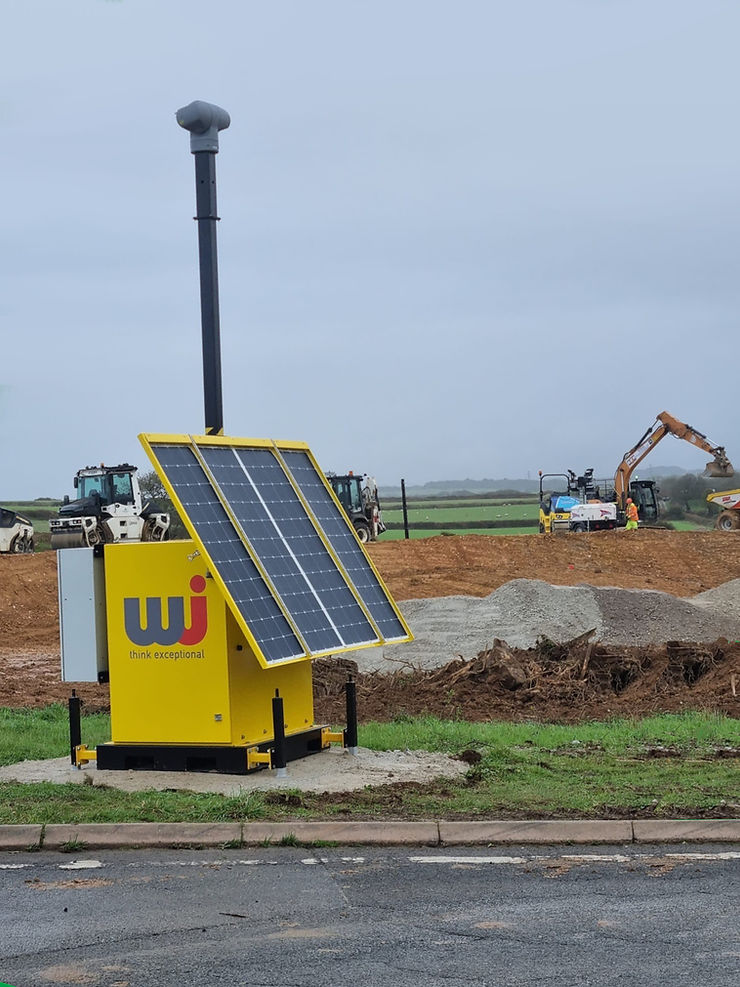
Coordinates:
(182, 757)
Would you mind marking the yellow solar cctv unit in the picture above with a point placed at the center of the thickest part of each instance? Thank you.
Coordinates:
(207, 641)
(201, 633)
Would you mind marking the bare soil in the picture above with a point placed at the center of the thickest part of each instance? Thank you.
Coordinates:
(679, 562)
(544, 683)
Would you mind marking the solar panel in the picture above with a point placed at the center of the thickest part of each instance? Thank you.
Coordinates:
(283, 551)
(346, 546)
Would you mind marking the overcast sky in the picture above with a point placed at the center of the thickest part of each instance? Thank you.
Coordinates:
(458, 239)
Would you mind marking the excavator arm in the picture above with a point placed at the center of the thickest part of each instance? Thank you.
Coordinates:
(665, 424)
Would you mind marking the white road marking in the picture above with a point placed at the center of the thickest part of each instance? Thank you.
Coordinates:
(468, 860)
(451, 859)
(727, 855)
(583, 858)
(617, 858)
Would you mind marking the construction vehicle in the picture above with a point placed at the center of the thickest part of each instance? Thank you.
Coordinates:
(665, 424)
(16, 532)
(108, 508)
(577, 508)
(556, 509)
(729, 502)
(359, 498)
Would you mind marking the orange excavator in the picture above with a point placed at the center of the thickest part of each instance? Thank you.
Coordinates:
(665, 424)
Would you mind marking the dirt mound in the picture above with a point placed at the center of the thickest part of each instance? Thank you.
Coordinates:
(524, 610)
(683, 563)
(29, 607)
(555, 683)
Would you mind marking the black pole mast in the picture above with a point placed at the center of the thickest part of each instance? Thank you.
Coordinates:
(204, 121)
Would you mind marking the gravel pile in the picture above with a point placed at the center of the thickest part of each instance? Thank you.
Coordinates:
(724, 599)
(523, 610)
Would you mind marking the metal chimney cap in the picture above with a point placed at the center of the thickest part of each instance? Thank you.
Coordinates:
(203, 121)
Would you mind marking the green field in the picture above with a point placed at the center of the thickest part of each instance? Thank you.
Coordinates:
(38, 512)
(465, 512)
(397, 534)
(457, 515)
(395, 504)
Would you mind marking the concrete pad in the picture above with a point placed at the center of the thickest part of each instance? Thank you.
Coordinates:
(346, 833)
(332, 770)
(690, 830)
(102, 836)
(19, 837)
(536, 831)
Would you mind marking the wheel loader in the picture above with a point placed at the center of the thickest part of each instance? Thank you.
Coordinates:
(358, 495)
(16, 532)
(108, 508)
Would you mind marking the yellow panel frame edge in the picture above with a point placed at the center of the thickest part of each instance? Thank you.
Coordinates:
(302, 447)
(192, 441)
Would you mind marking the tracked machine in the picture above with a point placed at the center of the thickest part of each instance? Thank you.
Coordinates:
(108, 508)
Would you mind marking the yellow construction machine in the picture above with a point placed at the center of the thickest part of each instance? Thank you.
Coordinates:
(665, 424)
(582, 492)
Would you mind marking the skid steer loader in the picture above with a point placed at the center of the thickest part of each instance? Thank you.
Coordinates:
(108, 508)
(16, 532)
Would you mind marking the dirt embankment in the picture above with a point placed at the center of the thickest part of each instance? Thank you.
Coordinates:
(556, 683)
(547, 685)
(679, 562)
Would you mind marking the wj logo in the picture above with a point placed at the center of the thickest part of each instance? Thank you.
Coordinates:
(175, 632)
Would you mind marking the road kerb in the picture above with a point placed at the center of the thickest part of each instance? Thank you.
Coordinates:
(686, 830)
(102, 836)
(20, 837)
(393, 833)
(344, 832)
(536, 831)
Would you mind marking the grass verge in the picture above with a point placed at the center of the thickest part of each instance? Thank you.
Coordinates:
(662, 766)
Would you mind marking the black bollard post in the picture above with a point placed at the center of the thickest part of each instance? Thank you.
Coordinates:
(278, 727)
(75, 728)
(350, 734)
(405, 509)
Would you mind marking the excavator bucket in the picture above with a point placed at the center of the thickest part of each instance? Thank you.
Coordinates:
(720, 468)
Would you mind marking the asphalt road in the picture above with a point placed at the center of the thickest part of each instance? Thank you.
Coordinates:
(353, 916)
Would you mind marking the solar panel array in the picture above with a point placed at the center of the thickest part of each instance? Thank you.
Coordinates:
(294, 573)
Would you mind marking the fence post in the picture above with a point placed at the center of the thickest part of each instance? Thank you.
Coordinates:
(350, 734)
(75, 728)
(278, 727)
(405, 509)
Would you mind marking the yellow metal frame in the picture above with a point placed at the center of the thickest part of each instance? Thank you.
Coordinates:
(302, 447)
(83, 755)
(256, 757)
(329, 736)
(276, 446)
